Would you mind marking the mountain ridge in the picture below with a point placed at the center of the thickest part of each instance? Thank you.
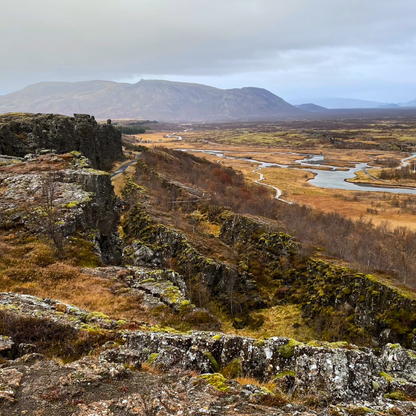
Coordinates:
(148, 99)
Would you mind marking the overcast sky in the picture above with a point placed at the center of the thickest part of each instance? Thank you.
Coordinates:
(295, 48)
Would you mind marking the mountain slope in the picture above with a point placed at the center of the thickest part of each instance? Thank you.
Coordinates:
(339, 102)
(312, 108)
(148, 99)
(410, 104)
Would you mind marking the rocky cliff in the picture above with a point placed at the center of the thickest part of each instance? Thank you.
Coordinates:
(60, 195)
(330, 295)
(21, 134)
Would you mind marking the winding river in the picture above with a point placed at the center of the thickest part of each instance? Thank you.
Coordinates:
(333, 178)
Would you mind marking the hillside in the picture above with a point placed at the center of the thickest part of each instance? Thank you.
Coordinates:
(410, 104)
(340, 102)
(312, 108)
(153, 100)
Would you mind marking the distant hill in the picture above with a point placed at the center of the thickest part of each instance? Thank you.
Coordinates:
(409, 104)
(390, 105)
(338, 102)
(148, 99)
(312, 108)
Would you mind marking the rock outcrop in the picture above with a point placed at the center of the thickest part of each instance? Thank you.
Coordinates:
(156, 245)
(21, 134)
(165, 373)
(83, 200)
(366, 308)
(340, 371)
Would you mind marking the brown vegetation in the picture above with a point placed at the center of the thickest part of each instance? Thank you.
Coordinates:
(361, 243)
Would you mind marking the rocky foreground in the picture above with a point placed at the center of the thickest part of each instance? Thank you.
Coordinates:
(149, 371)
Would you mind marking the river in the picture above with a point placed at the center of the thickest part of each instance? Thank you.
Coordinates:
(332, 179)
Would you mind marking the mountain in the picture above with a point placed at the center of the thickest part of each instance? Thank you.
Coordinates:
(390, 105)
(312, 108)
(148, 99)
(338, 102)
(409, 104)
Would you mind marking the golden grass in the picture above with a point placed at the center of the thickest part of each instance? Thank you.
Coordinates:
(280, 321)
(119, 181)
(209, 228)
(244, 381)
(150, 369)
(31, 268)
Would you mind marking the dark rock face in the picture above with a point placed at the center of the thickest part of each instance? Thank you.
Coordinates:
(101, 212)
(21, 134)
(154, 245)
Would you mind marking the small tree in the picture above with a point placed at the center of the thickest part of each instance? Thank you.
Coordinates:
(49, 214)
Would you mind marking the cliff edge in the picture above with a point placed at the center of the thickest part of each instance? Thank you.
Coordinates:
(22, 133)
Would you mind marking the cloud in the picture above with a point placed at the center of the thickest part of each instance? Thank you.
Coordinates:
(299, 41)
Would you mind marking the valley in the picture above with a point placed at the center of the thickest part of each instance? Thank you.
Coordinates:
(178, 266)
(342, 144)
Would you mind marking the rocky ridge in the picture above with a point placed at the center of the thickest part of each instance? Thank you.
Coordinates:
(22, 133)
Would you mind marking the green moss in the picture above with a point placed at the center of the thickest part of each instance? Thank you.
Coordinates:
(346, 291)
(288, 373)
(71, 204)
(259, 343)
(387, 377)
(233, 370)
(152, 358)
(396, 395)
(265, 390)
(339, 344)
(320, 344)
(214, 362)
(288, 350)
(376, 386)
(395, 346)
(216, 337)
(358, 411)
(172, 293)
(97, 315)
(217, 380)
(131, 189)
(148, 280)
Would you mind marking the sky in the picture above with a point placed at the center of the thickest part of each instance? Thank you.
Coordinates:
(298, 49)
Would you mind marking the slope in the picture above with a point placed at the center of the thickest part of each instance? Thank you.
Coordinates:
(148, 99)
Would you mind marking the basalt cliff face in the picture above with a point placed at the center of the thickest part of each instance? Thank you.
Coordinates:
(60, 196)
(21, 134)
